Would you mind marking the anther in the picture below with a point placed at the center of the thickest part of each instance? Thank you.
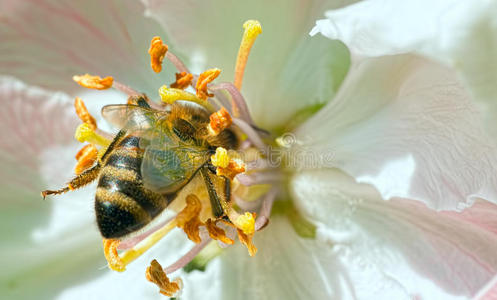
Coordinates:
(220, 158)
(113, 259)
(217, 233)
(246, 223)
(252, 30)
(246, 239)
(83, 113)
(188, 219)
(84, 133)
(170, 95)
(156, 274)
(157, 52)
(86, 157)
(219, 121)
(204, 79)
(94, 82)
(183, 80)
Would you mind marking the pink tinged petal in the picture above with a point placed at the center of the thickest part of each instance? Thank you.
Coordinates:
(283, 64)
(429, 254)
(489, 292)
(35, 124)
(407, 126)
(46, 42)
(459, 33)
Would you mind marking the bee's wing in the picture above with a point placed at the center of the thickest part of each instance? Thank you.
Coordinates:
(168, 166)
(133, 118)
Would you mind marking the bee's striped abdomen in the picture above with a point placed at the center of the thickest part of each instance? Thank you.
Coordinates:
(122, 203)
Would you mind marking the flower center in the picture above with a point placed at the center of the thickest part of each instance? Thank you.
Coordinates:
(234, 198)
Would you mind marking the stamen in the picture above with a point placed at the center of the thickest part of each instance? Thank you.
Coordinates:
(180, 66)
(219, 121)
(235, 167)
(217, 233)
(183, 80)
(157, 52)
(252, 30)
(204, 79)
(86, 157)
(124, 88)
(131, 254)
(156, 274)
(83, 113)
(188, 219)
(84, 133)
(113, 259)
(188, 257)
(170, 95)
(94, 82)
(246, 239)
(238, 103)
(265, 211)
(252, 135)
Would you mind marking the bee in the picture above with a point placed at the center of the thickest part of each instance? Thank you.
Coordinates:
(155, 154)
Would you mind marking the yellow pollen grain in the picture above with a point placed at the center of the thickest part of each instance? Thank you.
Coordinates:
(157, 52)
(252, 29)
(170, 95)
(155, 274)
(246, 223)
(219, 121)
(84, 133)
(94, 82)
(220, 158)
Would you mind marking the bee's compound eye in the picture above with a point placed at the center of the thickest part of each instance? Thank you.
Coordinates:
(183, 129)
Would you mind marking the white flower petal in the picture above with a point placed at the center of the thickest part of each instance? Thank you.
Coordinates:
(407, 126)
(210, 37)
(46, 42)
(36, 125)
(460, 33)
(409, 247)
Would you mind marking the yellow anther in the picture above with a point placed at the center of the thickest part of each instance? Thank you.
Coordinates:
(83, 113)
(113, 259)
(252, 30)
(156, 274)
(84, 133)
(131, 254)
(246, 223)
(157, 52)
(219, 121)
(204, 79)
(170, 95)
(220, 158)
(86, 157)
(235, 167)
(183, 80)
(94, 82)
(188, 219)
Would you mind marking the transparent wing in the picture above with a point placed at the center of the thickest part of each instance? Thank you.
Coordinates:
(133, 118)
(169, 166)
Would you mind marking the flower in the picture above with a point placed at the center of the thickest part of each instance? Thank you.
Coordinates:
(403, 124)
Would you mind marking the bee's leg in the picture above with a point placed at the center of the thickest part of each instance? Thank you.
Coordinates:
(79, 181)
(217, 203)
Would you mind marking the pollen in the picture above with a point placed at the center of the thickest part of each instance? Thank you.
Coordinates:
(252, 29)
(94, 82)
(183, 80)
(217, 233)
(220, 158)
(204, 79)
(86, 157)
(157, 52)
(246, 239)
(113, 259)
(83, 113)
(188, 219)
(84, 133)
(246, 223)
(156, 274)
(219, 121)
(235, 167)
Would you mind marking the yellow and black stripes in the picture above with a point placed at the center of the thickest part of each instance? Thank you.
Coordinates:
(122, 203)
